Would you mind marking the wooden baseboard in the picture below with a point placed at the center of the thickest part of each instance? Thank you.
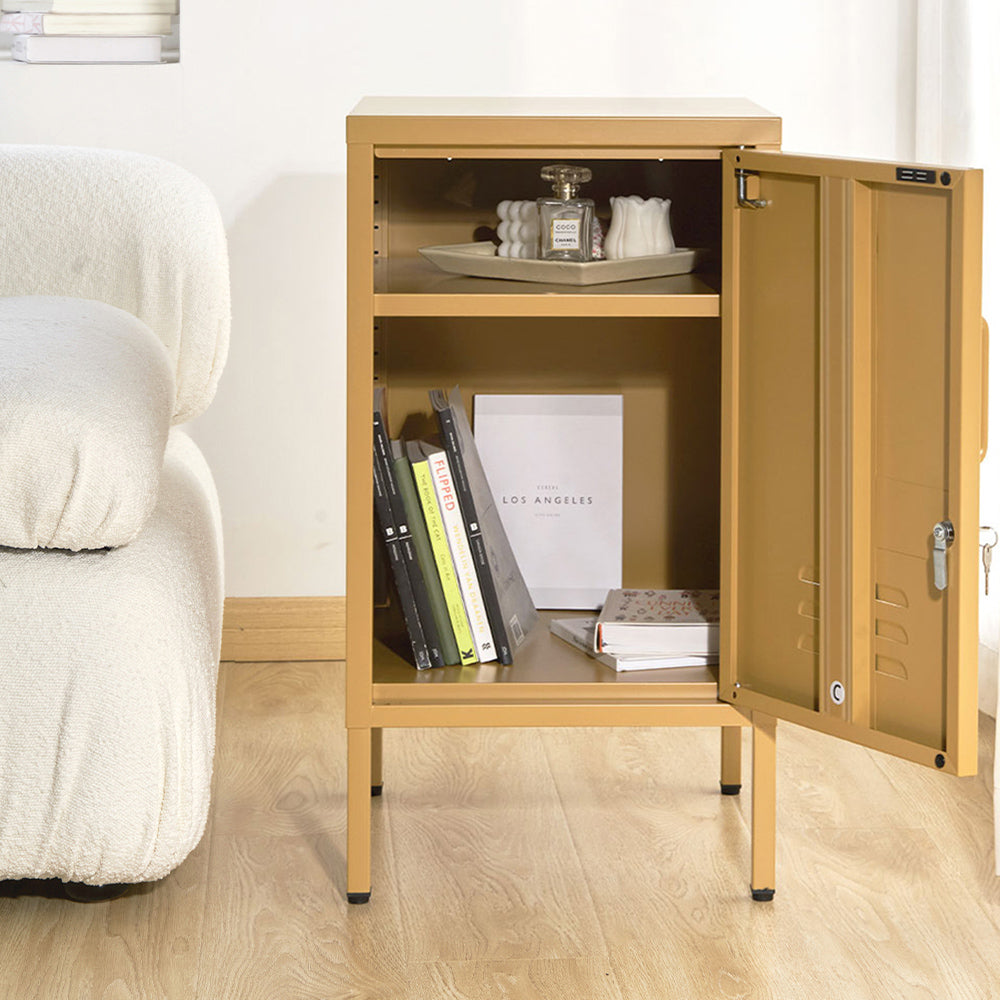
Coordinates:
(256, 629)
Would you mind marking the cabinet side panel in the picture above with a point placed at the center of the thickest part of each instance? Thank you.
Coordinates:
(778, 432)
(912, 348)
(360, 374)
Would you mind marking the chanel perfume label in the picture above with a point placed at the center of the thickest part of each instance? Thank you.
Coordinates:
(565, 234)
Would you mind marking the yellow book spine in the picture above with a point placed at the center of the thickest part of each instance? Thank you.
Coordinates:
(442, 558)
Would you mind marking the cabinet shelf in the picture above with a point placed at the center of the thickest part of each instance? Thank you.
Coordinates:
(543, 662)
(549, 684)
(413, 287)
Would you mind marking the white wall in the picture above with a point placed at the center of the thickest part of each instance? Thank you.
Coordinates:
(256, 107)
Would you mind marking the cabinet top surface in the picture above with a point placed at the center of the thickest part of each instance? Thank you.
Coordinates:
(559, 107)
(453, 124)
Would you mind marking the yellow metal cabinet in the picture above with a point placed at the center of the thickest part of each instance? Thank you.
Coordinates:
(799, 419)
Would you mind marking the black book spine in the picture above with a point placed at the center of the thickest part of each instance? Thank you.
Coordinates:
(449, 438)
(383, 459)
(421, 657)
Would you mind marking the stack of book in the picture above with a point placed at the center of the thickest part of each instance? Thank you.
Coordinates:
(462, 596)
(649, 629)
(87, 31)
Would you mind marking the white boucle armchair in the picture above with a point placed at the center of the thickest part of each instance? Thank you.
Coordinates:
(114, 328)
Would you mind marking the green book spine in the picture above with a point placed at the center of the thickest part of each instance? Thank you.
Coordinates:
(425, 554)
(442, 557)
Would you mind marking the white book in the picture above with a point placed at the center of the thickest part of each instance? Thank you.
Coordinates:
(461, 554)
(579, 632)
(22, 23)
(658, 622)
(554, 463)
(92, 6)
(86, 48)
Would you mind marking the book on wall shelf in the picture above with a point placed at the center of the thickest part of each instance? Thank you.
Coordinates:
(87, 48)
(658, 621)
(91, 6)
(579, 632)
(90, 31)
(26, 23)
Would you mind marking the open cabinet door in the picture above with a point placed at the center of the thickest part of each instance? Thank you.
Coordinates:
(851, 433)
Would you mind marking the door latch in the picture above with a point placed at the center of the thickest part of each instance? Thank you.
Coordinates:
(944, 535)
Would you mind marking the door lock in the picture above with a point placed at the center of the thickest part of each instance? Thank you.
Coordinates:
(944, 535)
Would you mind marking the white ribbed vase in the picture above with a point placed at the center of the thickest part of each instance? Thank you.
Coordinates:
(640, 227)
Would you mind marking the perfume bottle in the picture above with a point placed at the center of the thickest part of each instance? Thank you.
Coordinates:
(565, 222)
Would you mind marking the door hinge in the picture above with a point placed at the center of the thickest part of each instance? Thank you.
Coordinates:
(741, 190)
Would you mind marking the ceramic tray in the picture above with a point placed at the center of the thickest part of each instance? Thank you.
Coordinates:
(480, 260)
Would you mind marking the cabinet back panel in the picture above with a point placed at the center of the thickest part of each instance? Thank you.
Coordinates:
(434, 202)
(668, 374)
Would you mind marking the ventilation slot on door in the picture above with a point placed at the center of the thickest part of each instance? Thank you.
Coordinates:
(808, 641)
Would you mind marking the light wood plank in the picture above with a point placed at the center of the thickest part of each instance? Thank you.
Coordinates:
(144, 945)
(269, 629)
(828, 783)
(669, 906)
(898, 923)
(512, 980)
(277, 922)
(958, 814)
(663, 852)
(485, 866)
(279, 760)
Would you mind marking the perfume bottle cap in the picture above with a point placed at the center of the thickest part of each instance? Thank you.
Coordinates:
(565, 179)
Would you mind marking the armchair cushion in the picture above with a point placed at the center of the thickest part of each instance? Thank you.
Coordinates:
(86, 398)
(109, 667)
(128, 229)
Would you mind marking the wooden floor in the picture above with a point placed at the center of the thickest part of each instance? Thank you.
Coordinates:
(547, 864)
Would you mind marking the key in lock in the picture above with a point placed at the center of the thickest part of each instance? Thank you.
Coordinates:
(987, 548)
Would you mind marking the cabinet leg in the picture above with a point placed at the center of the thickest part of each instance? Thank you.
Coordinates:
(764, 807)
(376, 762)
(732, 764)
(359, 814)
